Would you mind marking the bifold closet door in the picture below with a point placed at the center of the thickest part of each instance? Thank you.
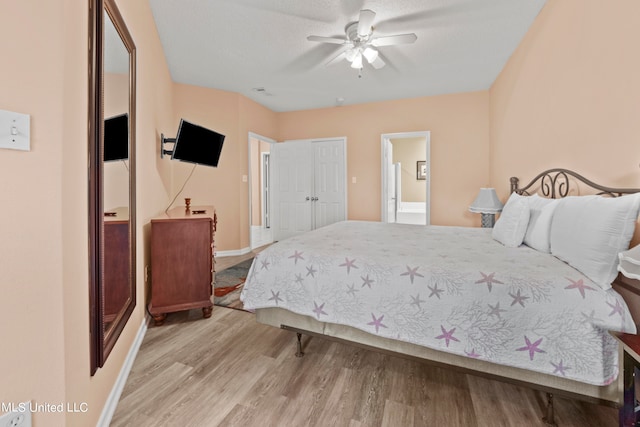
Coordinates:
(329, 182)
(291, 183)
(308, 185)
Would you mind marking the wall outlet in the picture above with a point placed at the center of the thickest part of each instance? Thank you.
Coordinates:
(19, 417)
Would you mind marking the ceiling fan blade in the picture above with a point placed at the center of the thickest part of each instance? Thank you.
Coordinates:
(365, 21)
(391, 40)
(334, 40)
(342, 53)
(378, 63)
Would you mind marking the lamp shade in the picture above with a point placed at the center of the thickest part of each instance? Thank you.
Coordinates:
(357, 61)
(629, 264)
(371, 54)
(486, 202)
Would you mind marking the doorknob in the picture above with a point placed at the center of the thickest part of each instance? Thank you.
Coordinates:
(307, 198)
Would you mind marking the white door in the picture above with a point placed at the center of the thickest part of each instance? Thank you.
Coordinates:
(329, 182)
(292, 180)
(390, 193)
(308, 185)
(395, 188)
(391, 183)
(265, 177)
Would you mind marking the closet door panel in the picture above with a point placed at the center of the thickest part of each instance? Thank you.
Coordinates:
(292, 179)
(329, 182)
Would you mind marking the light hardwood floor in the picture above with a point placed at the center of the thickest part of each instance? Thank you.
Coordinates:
(231, 371)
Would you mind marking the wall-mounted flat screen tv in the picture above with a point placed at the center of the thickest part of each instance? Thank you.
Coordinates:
(116, 138)
(196, 144)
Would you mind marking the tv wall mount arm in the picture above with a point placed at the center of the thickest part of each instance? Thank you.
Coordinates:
(164, 141)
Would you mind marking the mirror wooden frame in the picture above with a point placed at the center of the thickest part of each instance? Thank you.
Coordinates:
(102, 342)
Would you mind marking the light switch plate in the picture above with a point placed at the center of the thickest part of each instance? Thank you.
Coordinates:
(15, 130)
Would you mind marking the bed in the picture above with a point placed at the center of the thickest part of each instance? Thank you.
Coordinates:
(474, 299)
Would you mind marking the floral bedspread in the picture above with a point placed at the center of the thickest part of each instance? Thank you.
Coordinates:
(453, 289)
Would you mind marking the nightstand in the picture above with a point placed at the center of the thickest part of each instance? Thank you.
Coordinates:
(630, 365)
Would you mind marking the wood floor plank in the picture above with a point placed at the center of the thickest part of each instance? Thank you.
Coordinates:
(143, 399)
(501, 404)
(339, 406)
(231, 371)
(397, 414)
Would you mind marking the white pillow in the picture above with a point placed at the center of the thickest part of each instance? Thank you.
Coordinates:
(511, 227)
(588, 232)
(539, 229)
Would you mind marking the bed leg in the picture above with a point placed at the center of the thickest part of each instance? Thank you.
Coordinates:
(299, 352)
(549, 419)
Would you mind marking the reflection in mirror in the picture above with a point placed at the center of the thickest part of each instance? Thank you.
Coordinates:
(111, 178)
(115, 189)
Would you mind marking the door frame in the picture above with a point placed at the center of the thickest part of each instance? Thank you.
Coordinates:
(265, 207)
(384, 139)
(250, 136)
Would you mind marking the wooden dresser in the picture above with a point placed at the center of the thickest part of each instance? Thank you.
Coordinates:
(182, 264)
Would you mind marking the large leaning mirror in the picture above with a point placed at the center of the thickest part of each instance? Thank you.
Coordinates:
(111, 178)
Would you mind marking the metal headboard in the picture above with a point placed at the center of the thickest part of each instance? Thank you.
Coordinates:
(554, 184)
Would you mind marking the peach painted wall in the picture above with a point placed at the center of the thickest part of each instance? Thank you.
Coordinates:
(570, 96)
(459, 126)
(45, 267)
(234, 116)
(216, 110)
(32, 219)
(262, 121)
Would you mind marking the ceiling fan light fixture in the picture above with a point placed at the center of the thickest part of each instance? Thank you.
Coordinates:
(371, 54)
(350, 55)
(359, 41)
(357, 61)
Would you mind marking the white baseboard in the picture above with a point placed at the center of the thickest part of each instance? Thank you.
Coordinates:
(233, 253)
(112, 401)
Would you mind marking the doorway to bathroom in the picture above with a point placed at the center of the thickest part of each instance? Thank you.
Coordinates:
(406, 177)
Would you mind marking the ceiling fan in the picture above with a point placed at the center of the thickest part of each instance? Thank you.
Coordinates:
(359, 42)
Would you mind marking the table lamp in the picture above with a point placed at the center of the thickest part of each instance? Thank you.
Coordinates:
(487, 204)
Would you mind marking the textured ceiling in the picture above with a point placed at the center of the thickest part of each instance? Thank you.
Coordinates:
(241, 45)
